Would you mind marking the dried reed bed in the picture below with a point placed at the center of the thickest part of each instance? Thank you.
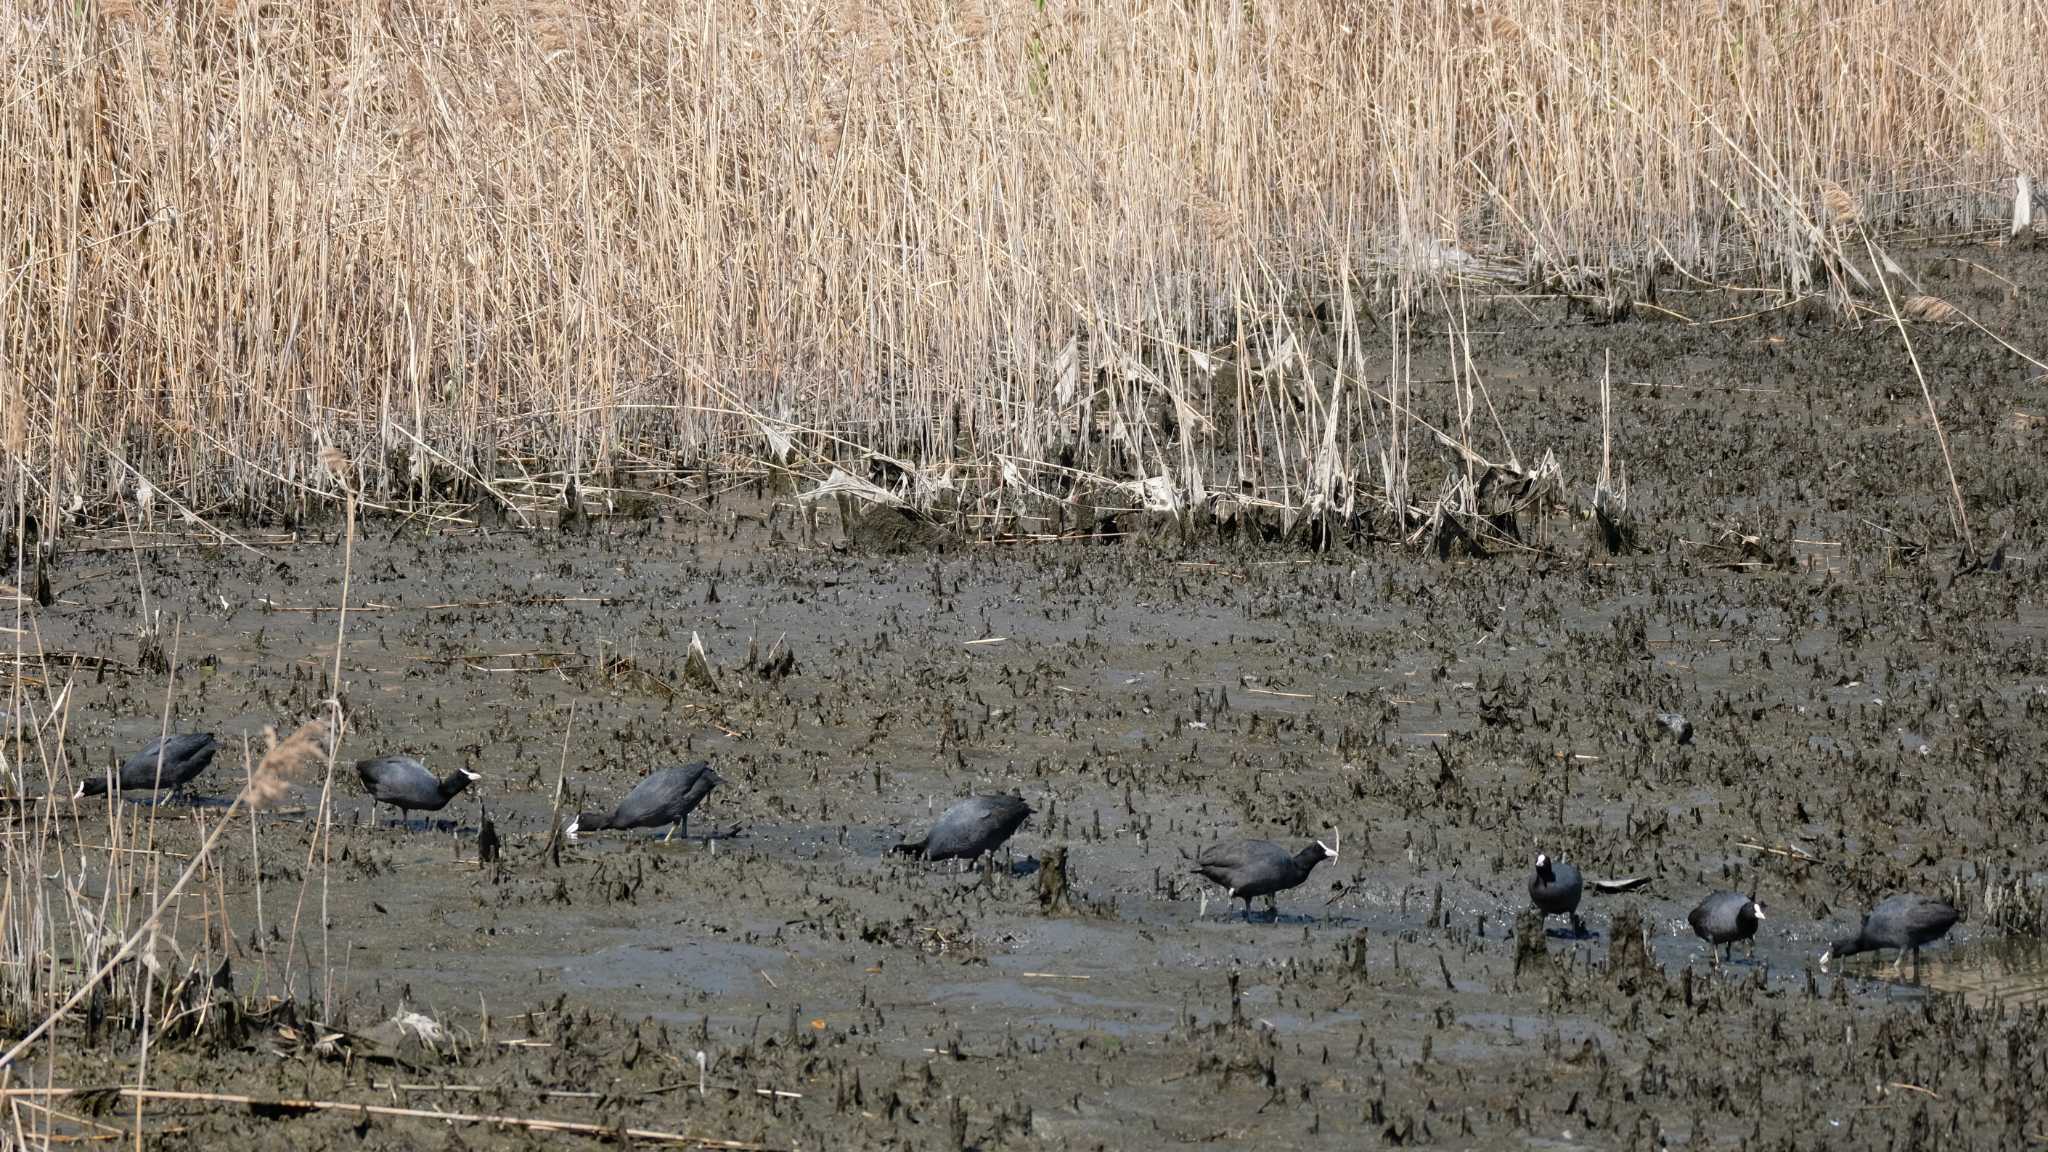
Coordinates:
(525, 244)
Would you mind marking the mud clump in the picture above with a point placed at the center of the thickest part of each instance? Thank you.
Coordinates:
(1355, 965)
(1053, 892)
(890, 530)
(1532, 947)
(1630, 966)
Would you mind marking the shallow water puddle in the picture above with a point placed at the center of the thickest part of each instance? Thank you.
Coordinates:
(2011, 971)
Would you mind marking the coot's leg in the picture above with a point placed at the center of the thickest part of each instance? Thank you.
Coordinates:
(1899, 965)
(1578, 925)
(672, 832)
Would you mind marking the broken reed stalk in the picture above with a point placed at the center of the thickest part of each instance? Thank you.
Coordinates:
(337, 467)
(1958, 514)
(274, 1107)
(553, 846)
(149, 847)
(267, 782)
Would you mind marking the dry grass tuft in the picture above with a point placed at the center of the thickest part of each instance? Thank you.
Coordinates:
(334, 464)
(1842, 206)
(283, 762)
(1931, 310)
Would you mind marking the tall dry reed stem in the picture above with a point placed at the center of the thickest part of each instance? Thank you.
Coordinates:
(525, 251)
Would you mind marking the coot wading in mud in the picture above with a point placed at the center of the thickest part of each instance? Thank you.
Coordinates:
(182, 757)
(975, 825)
(1904, 922)
(1554, 888)
(405, 784)
(1724, 918)
(1253, 868)
(664, 799)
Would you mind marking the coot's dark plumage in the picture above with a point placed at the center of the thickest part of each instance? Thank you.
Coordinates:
(182, 757)
(1252, 868)
(975, 825)
(1555, 887)
(1904, 922)
(1724, 918)
(665, 798)
(405, 784)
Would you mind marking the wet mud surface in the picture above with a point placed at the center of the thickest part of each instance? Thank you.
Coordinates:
(1867, 714)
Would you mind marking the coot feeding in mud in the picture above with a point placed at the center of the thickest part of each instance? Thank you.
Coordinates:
(665, 798)
(166, 764)
(975, 825)
(1250, 868)
(1723, 918)
(1904, 922)
(405, 784)
(1554, 888)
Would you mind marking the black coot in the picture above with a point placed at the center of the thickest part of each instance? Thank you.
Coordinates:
(405, 784)
(975, 825)
(182, 757)
(1251, 868)
(1904, 922)
(1724, 918)
(665, 798)
(1555, 887)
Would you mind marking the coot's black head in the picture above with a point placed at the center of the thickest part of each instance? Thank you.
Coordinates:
(1846, 946)
(461, 778)
(91, 786)
(1543, 867)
